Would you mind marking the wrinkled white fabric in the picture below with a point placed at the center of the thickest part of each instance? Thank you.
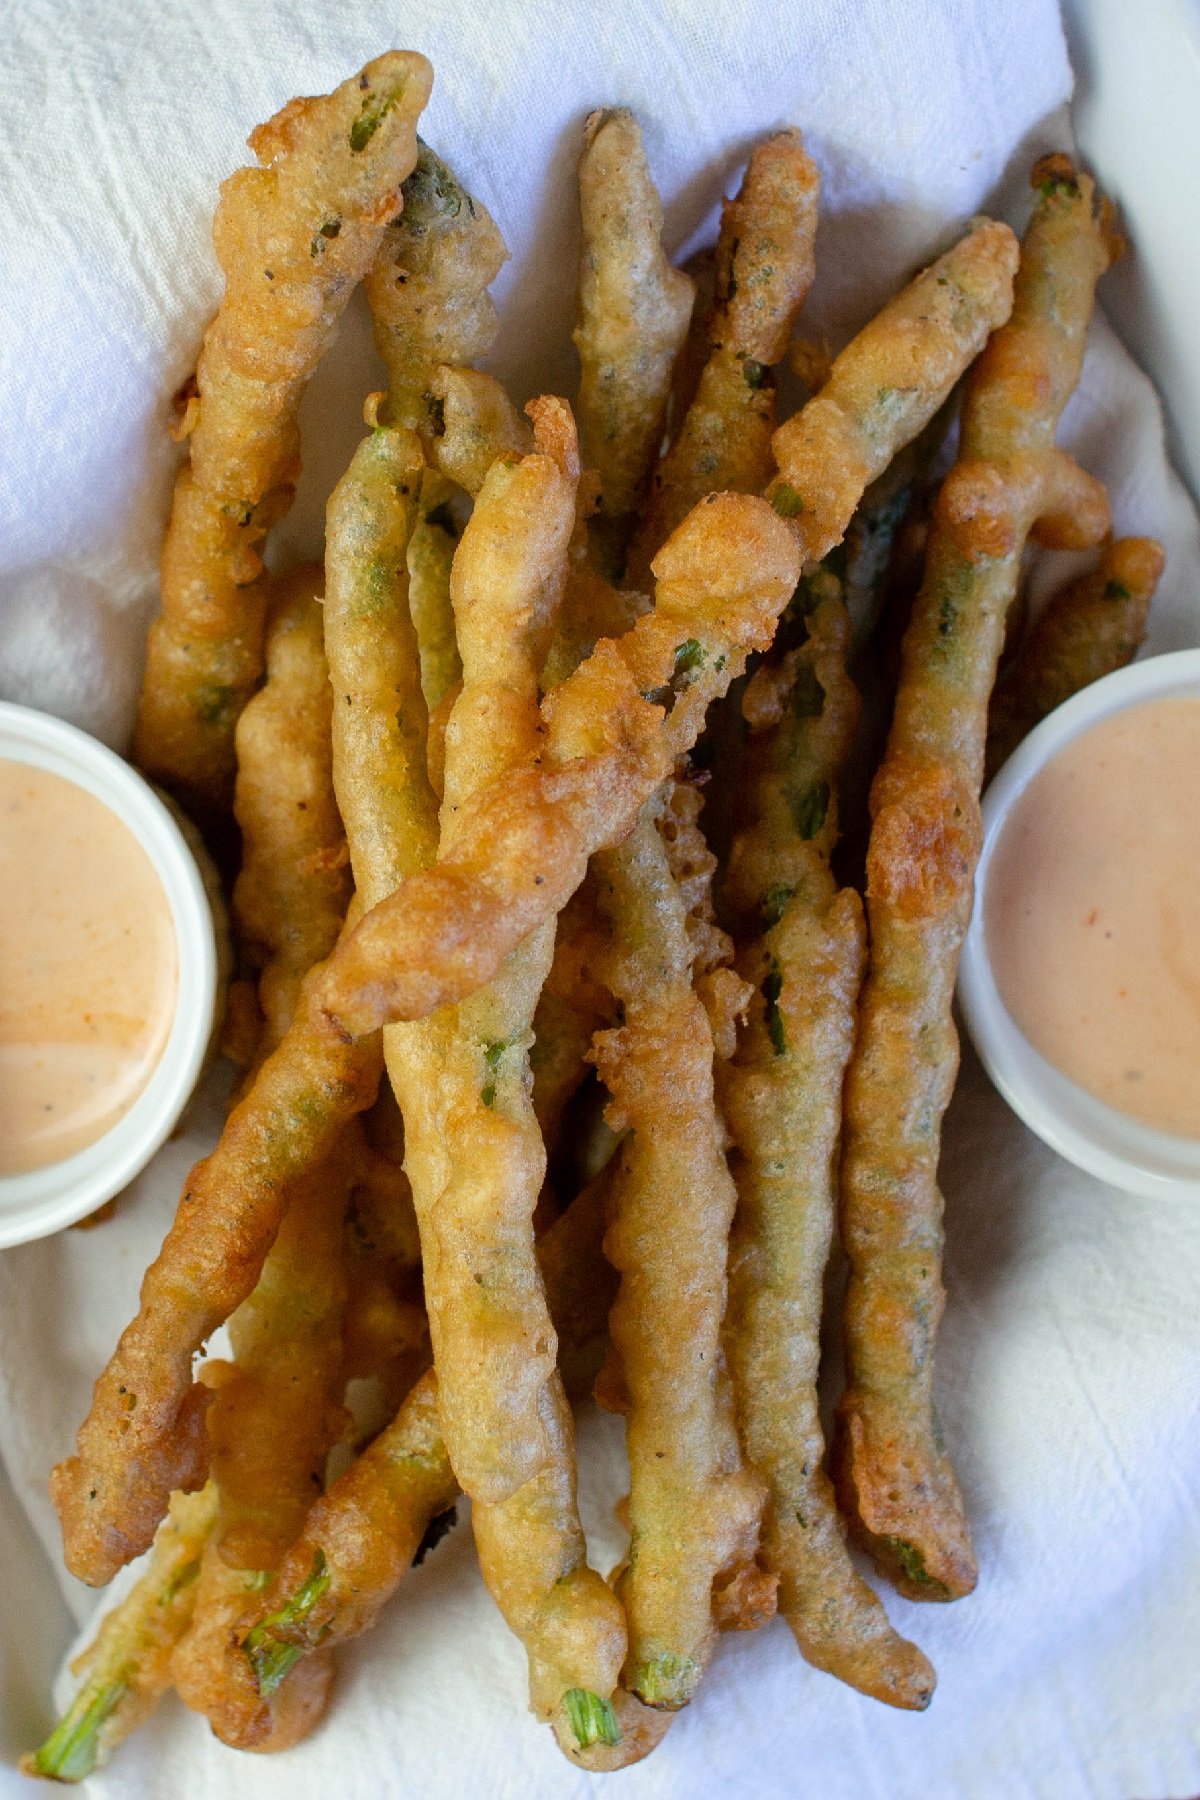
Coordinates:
(1070, 1363)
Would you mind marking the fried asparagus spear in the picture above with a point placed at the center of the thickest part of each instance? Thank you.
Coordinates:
(430, 557)
(1092, 627)
(275, 1415)
(428, 289)
(521, 847)
(277, 1409)
(359, 1539)
(293, 236)
(765, 265)
(144, 1435)
(694, 1507)
(572, 1006)
(724, 577)
(887, 384)
(293, 888)
(473, 1152)
(474, 422)
(634, 310)
(802, 945)
(429, 299)
(126, 1668)
(894, 1479)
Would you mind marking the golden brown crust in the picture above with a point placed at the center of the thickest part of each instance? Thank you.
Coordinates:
(723, 579)
(521, 845)
(694, 1507)
(201, 1673)
(477, 422)
(894, 1478)
(293, 236)
(293, 887)
(888, 383)
(428, 287)
(765, 265)
(802, 947)
(362, 1535)
(573, 1004)
(634, 310)
(126, 1668)
(473, 1152)
(144, 1435)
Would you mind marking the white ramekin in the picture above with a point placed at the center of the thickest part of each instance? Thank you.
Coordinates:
(1095, 1137)
(44, 1200)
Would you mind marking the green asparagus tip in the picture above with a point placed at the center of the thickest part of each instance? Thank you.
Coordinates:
(374, 110)
(786, 501)
(271, 1662)
(666, 1680)
(592, 1719)
(689, 656)
(913, 1564)
(73, 1749)
(1058, 184)
(271, 1655)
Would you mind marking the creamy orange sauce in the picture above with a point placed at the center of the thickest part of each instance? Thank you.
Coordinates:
(1092, 915)
(88, 968)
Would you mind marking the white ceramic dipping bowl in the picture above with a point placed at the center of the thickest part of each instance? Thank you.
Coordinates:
(1095, 1137)
(40, 1201)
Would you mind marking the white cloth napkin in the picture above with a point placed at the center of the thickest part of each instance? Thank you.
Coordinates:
(1069, 1357)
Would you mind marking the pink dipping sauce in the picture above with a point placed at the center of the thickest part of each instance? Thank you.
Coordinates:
(1092, 915)
(88, 968)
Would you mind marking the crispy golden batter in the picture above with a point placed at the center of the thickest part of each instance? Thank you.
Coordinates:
(634, 310)
(144, 1435)
(521, 845)
(505, 1418)
(291, 895)
(429, 299)
(573, 1004)
(474, 1155)
(1093, 626)
(359, 1539)
(276, 1409)
(694, 1507)
(200, 1671)
(802, 946)
(887, 384)
(724, 577)
(428, 289)
(894, 1479)
(293, 236)
(380, 722)
(126, 1667)
(592, 609)
(430, 557)
(765, 264)
(474, 423)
